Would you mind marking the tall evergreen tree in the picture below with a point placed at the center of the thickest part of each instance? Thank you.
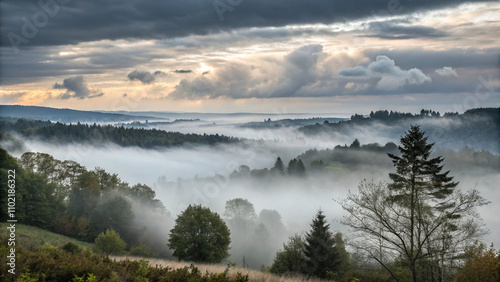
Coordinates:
(322, 258)
(420, 186)
(279, 166)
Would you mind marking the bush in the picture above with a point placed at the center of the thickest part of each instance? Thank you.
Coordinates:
(110, 243)
(71, 247)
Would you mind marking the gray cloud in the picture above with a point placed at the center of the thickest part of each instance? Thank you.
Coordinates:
(76, 22)
(77, 88)
(392, 30)
(447, 71)
(145, 76)
(183, 71)
(390, 76)
(310, 72)
(287, 78)
(12, 98)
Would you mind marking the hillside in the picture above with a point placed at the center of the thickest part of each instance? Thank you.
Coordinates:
(65, 115)
(101, 134)
(476, 128)
(32, 238)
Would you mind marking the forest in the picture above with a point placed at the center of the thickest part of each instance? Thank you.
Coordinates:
(101, 134)
(416, 226)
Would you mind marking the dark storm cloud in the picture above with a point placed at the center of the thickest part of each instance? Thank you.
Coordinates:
(71, 22)
(391, 30)
(77, 88)
(145, 76)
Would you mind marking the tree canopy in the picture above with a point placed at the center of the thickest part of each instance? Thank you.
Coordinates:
(200, 235)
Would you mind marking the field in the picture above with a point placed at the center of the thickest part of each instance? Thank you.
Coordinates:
(254, 275)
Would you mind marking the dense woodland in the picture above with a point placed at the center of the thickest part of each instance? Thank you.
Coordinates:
(475, 127)
(102, 134)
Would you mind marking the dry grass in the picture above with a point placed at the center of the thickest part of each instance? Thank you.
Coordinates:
(254, 275)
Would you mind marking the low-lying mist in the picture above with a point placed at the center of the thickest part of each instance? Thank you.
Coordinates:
(284, 205)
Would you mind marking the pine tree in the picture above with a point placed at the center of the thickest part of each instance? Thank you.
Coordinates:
(419, 186)
(300, 168)
(292, 166)
(320, 250)
(279, 166)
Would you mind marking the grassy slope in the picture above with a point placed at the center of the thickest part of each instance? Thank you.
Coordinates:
(254, 275)
(33, 237)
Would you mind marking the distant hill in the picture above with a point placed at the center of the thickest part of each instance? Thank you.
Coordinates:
(100, 134)
(65, 115)
(291, 122)
(476, 128)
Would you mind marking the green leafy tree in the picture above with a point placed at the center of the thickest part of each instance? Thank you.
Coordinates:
(110, 242)
(291, 258)
(322, 256)
(200, 235)
(239, 209)
(84, 195)
(481, 264)
(114, 212)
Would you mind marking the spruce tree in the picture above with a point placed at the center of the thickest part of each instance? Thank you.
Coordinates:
(320, 250)
(420, 186)
(300, 168)
(279, 166)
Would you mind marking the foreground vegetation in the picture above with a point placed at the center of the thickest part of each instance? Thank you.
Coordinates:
(31, 237)
(50, 263)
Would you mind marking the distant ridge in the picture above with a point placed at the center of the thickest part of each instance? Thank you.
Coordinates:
(64, 115)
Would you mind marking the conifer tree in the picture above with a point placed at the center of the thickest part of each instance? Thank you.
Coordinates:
(322, 258)
(419, 185)
(279, 166)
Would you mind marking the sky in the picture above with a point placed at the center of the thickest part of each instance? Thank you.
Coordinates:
(273, 56)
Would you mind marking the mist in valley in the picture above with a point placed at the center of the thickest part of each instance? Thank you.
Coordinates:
(284, 204)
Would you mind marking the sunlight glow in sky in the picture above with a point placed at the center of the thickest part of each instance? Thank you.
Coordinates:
(443, 57)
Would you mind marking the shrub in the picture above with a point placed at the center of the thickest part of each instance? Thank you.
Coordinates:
(110, 242)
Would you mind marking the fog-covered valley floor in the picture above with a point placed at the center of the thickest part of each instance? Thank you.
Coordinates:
(285, 205)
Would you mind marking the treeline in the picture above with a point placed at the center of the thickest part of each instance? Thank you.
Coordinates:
(478, 128)
(66, 198)
(343, 159)
(100, 134)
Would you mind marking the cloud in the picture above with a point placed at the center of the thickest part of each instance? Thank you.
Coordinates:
(283, 78)
(77, 88)
(183, 71)
(12, 97)
(447, 71)
(145, 76)
(150, 19)
(391, 30)
(388, 75)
